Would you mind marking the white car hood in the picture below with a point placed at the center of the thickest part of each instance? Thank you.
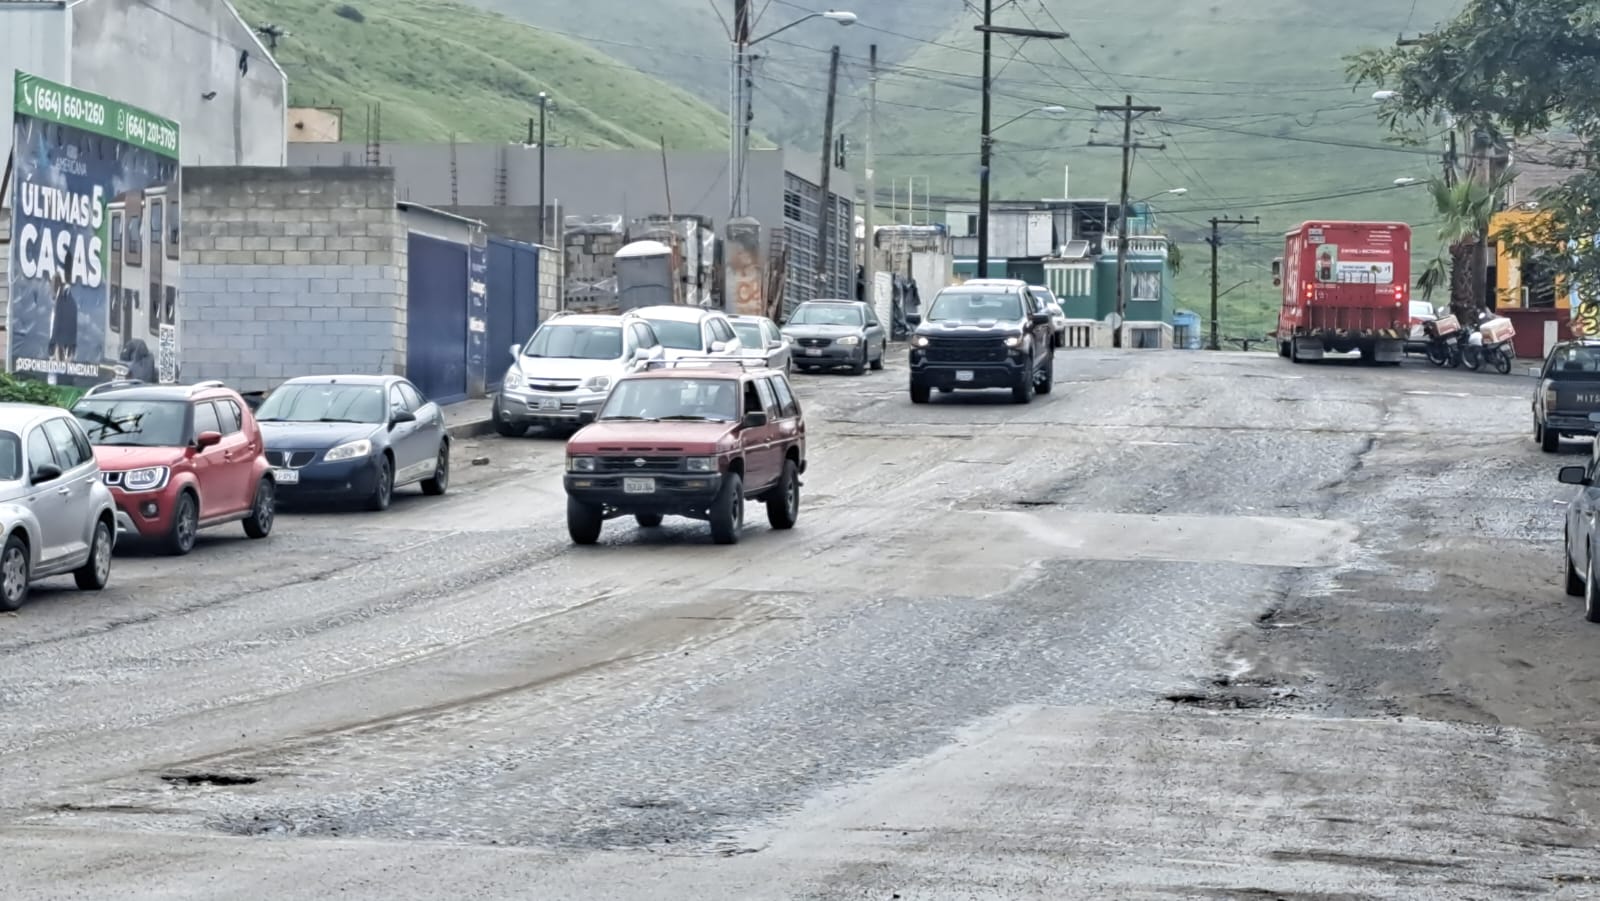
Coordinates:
(564, 368)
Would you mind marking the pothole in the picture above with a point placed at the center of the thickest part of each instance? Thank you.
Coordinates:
(217, 779)
(649, 804)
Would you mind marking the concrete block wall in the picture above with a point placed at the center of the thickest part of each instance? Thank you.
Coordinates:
(549, 282)
(291, 271)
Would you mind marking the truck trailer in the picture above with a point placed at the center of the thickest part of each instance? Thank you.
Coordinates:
(1345, 288)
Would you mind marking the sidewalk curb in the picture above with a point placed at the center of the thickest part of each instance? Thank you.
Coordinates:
(472, 428)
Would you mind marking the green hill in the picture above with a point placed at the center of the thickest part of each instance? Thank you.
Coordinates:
(1257, 119)
(440, 68)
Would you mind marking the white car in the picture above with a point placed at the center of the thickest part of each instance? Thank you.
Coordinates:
(1058, 319)
(57, 513)
(761, 339)
(1422, 312)
(564, 372)
(690, 331)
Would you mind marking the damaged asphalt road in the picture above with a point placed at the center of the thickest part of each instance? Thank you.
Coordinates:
(1195, 625)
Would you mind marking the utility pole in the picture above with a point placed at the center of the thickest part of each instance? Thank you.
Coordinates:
(1128, 111)
(824, 232)
(986, 140)
(737, 109)
(1215, 241)
(869, 273)
(544, 214)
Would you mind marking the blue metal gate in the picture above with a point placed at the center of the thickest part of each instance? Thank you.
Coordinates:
(436, 318)
(513, 301)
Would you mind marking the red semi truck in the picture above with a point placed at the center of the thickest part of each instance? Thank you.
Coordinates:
(1345, 287)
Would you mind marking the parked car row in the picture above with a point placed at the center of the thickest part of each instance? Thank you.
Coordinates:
(155, 464)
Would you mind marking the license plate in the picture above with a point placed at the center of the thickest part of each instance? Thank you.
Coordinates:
(813, 351)
(638, 486)
(964, 376)
(549, 404)
(286, 476)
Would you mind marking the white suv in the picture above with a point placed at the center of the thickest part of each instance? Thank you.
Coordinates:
(690, 331)
(564, 372)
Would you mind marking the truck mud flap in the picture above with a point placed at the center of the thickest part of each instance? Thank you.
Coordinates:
(1306, 349)
(1389, 351)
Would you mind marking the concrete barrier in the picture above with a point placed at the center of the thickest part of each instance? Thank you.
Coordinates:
(1086, 334)
(1147, 335)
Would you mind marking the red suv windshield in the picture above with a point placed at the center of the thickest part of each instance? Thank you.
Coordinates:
(714, 400)
(134, 423)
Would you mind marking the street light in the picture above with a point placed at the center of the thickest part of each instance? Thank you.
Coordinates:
(1406, 180)
(1383, 96)
(1052, 110)
(986, 152)
(1160, 193)
(739, 98)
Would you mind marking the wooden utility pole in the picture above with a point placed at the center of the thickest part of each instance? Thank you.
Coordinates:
(824, 232)
(869, 261)
(1129, 112)
(1216, 241)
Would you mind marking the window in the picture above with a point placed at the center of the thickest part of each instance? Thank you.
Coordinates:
(172, 229)
(644, 335)
(769, 332)
(1146, 286)
(84, 447)
(677, 334)
(846, 314)
(135, 239)
(68, 454)
(116, 232)
(324, 402)
(157, 233)
(39, 453)
(396, 401)
(710, 400)
(133, 423)
(722, 331)
(413, 396)
(962, 306)
(788, 407)
(753, 402)
(10, 457)
(576, 342)
(205, 418)
(228, 416)
(751, 334)
(769, 404)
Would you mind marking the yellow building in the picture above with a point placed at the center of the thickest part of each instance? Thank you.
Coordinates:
(1522, 284)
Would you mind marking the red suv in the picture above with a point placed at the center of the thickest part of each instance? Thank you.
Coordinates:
(178, 459)
(694, 439)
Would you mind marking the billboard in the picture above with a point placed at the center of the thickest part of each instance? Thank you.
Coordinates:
(94, 268)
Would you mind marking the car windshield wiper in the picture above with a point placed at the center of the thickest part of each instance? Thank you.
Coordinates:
(269, 419)
(336, 419)
(627, 418)
(684, 417)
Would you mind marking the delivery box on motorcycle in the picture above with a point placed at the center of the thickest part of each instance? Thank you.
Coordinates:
(1446, 326)
(1497, 330)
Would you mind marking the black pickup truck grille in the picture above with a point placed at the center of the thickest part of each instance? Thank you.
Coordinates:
(952, 350)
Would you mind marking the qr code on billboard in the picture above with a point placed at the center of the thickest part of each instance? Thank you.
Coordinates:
(167, 355)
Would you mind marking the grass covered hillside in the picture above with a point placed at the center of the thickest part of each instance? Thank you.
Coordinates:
(1257, 119)
(441, 68)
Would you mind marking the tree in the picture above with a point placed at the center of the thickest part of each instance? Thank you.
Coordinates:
(1464, 209)
(1516, 68)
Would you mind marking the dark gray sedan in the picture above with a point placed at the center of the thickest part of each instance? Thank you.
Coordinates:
(827, 334)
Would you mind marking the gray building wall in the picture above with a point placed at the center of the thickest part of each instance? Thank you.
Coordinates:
(585, 182)
(291, 272)
(163, 56)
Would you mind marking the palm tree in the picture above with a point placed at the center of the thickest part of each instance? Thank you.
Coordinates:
(1464, 209)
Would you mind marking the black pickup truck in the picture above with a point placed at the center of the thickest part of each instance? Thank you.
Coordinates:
(991, 333)
(1569, 390)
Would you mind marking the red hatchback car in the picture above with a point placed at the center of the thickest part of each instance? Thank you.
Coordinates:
(178, 459)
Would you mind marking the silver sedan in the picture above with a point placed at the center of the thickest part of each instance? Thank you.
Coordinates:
(762, 340)
(58, 516)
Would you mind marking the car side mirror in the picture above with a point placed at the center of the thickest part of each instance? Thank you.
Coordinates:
(207, 439)
(516, 351)
(1573, 475)
(755, 420)
(1040, 318)
(774, 344)
(399, 416)
(913, 320)
(49, 472)
(718, 347)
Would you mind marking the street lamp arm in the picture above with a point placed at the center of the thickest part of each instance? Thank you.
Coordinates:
(799, 21)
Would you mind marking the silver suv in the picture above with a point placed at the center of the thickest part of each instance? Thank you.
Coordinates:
(562, 375)
(57, 514)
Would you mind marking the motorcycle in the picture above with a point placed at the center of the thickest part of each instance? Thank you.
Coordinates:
(1444, 341)
(1490, 344)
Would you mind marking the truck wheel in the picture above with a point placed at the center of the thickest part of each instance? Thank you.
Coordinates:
(919, 393)
(727, 511)
(1047, 377)
(584, 521)
(1022, 392)
(783, 503)
(1549, 440)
